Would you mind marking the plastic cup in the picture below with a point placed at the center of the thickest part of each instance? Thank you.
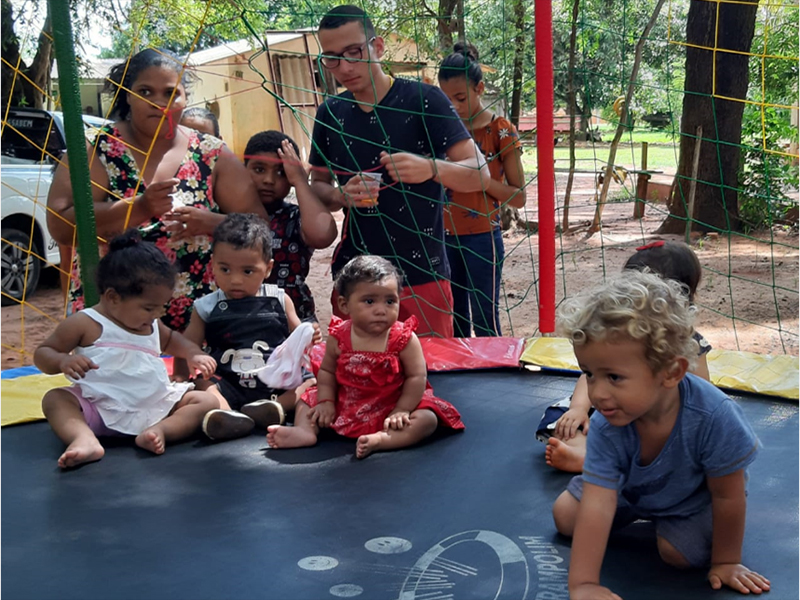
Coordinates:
(373, 188)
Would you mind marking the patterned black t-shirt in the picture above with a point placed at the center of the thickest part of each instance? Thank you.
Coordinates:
(292, 258)
(406, 226)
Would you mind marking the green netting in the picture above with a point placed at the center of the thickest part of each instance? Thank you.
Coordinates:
(258, 68)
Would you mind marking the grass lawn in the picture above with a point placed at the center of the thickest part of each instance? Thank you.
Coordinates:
(594, 157)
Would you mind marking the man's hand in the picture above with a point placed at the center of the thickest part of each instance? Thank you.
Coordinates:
(408, 168)
(360, 191)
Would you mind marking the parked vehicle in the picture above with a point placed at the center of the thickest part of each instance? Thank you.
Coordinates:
(26, 175)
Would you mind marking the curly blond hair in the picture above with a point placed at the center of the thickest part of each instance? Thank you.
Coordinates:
(636, 305)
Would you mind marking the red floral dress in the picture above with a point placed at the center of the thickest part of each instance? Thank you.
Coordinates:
(370, 383)
(191, 256)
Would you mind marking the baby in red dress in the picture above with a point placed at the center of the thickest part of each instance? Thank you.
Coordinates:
(373, 382)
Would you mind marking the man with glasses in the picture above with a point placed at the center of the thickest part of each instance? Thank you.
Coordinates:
(407, 132)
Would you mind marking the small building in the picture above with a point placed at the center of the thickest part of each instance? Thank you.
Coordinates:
(251, 86)
(92, 75)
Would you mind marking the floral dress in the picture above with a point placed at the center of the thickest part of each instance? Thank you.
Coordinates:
(369, 384)
(191, 256)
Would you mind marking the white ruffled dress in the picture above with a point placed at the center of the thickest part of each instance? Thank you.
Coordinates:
(131, 388)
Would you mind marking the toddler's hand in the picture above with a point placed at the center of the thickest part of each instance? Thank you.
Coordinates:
(567, 426)
(203, 363)
(317, 337)
(592, 591)
(323, 414)
(76, 366)
(738, 577)
(397, 420)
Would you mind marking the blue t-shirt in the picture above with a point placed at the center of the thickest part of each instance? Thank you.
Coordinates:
(406, 226)
(711, 438)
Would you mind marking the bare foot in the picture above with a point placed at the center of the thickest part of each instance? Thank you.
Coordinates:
(561, 456)
(281, 436)
(367, 444)
(151, 439)
(81, 451)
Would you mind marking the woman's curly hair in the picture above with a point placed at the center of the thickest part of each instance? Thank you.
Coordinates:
(640, 306)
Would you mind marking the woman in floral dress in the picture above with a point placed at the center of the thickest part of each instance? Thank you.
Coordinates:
(171, 182)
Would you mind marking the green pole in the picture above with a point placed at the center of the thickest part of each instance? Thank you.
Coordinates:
(69, 89)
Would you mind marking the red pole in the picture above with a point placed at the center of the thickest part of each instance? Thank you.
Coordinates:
(543, 18)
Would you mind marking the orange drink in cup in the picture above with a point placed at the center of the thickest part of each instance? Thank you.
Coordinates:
(373, 183)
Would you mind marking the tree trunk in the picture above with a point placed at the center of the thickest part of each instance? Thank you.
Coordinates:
(41, 68)
(716, 196)
(623, 118)
(19, 80)
(519, 55)
(447, 24)
(572, 102)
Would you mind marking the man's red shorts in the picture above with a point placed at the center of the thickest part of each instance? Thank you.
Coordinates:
(431, 303)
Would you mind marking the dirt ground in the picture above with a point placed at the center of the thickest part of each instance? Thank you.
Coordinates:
(754, 279)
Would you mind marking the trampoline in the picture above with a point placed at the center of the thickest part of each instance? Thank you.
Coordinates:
(463, 516)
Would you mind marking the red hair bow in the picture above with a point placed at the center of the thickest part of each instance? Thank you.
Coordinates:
(657, 244)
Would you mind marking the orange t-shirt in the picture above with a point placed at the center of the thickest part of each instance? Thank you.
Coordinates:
(477, 212)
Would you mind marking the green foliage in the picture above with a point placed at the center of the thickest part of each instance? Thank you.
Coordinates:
(175, 24)
(767, 176)
(606, 38)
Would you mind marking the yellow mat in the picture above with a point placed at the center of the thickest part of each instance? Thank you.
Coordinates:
(743, 371)
(22, 397)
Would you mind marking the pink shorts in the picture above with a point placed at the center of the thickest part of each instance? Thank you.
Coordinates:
(431, 303)
(93, 418)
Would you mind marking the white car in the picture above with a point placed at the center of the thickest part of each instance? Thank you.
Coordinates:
(25, 177)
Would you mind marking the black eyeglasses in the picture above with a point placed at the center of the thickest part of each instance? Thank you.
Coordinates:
(351, 55)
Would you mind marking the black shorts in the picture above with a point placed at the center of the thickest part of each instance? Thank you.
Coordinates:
(238, 395)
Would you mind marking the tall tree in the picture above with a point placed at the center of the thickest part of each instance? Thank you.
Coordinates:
(31, 80)
(22, 83)
(519, 58)
(718, 36)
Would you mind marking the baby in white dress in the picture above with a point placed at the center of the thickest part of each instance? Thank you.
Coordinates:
(112, 354)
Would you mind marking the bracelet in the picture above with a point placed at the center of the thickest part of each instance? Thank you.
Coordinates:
(434, 173)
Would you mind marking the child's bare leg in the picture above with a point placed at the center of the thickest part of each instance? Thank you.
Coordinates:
(184, 419)
(565, 511)
(289, 399)
(213, 389)
(180, 369)
(203, 385)
(304, 433)
(423, 424)
(566, 455)
(63, 412)
(670, 555)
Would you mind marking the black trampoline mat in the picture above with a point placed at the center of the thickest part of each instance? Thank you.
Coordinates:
(463, 516)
